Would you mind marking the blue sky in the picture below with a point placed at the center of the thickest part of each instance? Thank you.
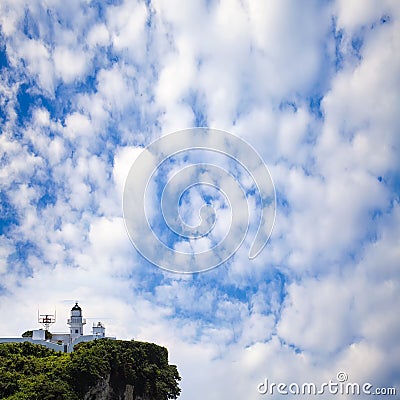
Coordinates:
(314, 88)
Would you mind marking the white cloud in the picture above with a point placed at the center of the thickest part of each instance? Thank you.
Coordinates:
(39, 62)
(98, 35)
(314, 322)
(358, 13)
(123, 161)
(10, 16)
(126, 24)
(70, 64)
(5, 250)
(78, 125)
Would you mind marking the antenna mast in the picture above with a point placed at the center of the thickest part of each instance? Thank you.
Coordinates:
(47, 319)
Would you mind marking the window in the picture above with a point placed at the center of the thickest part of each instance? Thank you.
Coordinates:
(76, 331)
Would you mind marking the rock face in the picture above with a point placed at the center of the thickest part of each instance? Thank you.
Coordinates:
(129, 392)
(101, 391)
(104, 391)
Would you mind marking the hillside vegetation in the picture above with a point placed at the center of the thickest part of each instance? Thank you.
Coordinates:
(33, 372)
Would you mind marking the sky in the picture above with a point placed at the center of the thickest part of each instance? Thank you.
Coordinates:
(312, 86)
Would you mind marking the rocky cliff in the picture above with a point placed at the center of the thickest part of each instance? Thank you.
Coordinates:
(103, 390)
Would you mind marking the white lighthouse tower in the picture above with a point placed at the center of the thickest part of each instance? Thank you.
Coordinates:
(76, 322)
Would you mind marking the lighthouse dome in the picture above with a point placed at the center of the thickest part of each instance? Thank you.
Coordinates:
(76, 308)
(76, 311)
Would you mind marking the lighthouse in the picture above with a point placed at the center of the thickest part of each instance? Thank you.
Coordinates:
(62, 341)
(76, 322)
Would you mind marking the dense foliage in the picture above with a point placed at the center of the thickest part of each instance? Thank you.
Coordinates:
(33, 372)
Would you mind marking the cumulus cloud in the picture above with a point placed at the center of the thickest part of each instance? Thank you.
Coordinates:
(69, 65)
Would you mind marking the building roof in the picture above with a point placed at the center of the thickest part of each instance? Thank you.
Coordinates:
(76, 307)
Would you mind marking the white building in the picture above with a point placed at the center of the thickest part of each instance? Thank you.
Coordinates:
(65, 342)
